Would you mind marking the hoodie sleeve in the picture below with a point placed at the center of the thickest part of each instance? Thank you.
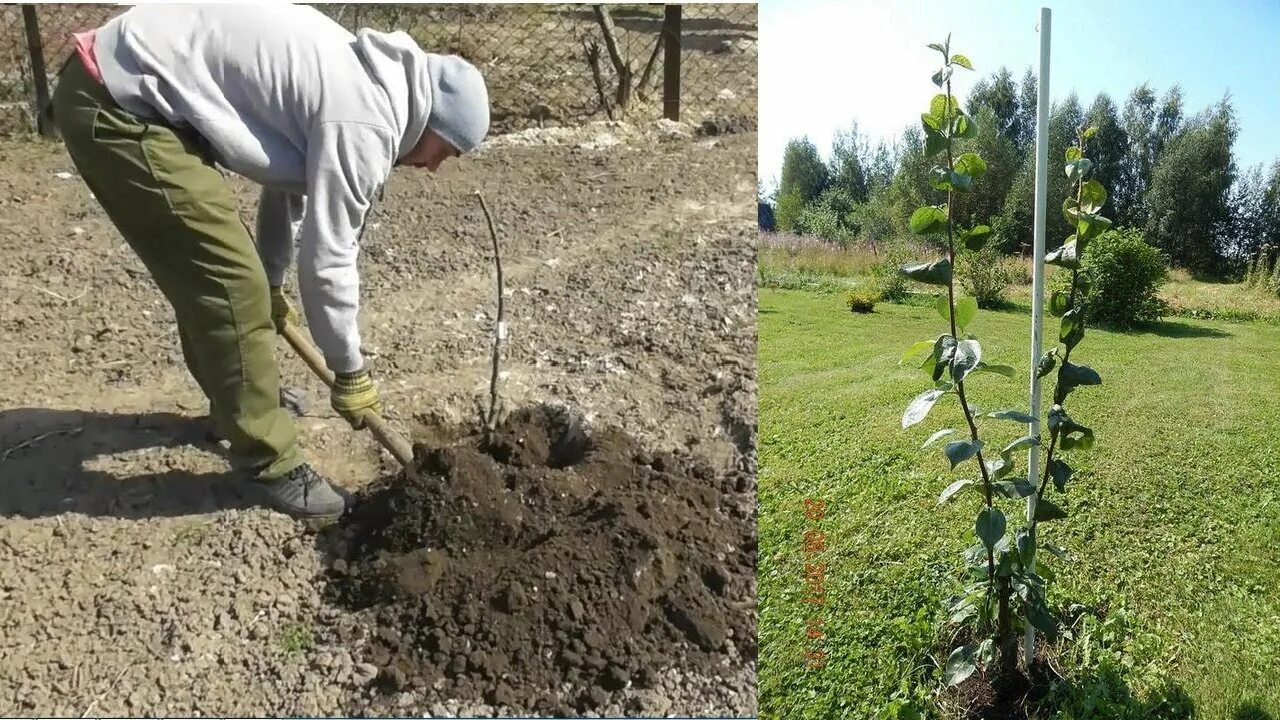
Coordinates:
(346, 164)
(279, 219)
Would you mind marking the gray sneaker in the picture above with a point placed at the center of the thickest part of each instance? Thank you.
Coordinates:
(304, 495)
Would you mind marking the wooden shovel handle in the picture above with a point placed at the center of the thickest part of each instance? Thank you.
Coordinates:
(387, 438)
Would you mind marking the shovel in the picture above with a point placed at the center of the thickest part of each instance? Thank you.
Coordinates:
(386, 437)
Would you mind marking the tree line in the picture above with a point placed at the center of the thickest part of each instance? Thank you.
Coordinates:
(1173, 176)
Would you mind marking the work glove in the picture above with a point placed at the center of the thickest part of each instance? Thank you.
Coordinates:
(354, 397)
(281, 311)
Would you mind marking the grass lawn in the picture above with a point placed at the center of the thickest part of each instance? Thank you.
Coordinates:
(1174, 527)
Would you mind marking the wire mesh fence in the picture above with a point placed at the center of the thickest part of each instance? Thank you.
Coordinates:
(546, 64)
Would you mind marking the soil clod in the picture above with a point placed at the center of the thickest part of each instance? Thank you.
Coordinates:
(548, 555)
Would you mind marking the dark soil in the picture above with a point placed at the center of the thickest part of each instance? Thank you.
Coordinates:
(546, 559)
(1012, 698)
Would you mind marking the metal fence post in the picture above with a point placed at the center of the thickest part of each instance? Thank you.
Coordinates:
(671, 62)
(38, 77)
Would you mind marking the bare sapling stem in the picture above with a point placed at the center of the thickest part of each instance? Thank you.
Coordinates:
(499, 328)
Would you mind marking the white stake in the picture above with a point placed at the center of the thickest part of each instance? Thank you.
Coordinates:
(1037, 282)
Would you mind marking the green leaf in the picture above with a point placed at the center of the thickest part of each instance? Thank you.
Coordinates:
(944, 107)
(1060, 472)
(1090, 226)
(1092, 196)
(962, 61)
(1071, 211)
(931, 122)
(1072, 329)
(1072, 375)
(940, 178)
(998, 467)
(1047, 362)
(962, 608)
(944, 348)
(1046, 510)
(939, 48)
(964, 127)
(968, 355)
(966, 310)
(1058, 303)
(934, 142)
(920, 407)
(1090, 131)
(1014, 489)
(986, 652)
(1078, 169)
(937, 436)
(970, 164)
(1064, 256)
(960, 450)
(915, 349)
(1022, 442)
(1004, 370)
(1014, 415)
(937, 272)
(990, 526)
(1073, 153)
(977, 237)
(1057, 416)
(1026, 547)
(1077, 437)
(1041, 620)
(928, 220)
(1004, 560)
(952, 489)
(960, 665)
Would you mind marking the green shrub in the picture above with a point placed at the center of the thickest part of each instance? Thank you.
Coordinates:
(986, 275)
(890, 284)
(1122, 275)
(860, 301)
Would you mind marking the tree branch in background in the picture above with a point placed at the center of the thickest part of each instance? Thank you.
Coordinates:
(642, 87)
(592, 49)
(620, 65)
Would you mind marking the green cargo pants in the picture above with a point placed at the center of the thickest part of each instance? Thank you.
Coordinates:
(175, 210)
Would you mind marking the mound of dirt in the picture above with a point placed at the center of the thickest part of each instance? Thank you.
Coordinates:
(549, 568)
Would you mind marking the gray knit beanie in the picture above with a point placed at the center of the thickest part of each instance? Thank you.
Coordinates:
(459, 101)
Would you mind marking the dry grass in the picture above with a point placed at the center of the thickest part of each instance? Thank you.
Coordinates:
(813, 256)
(798, 262)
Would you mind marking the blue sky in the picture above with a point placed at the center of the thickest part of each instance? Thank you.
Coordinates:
(824, 63)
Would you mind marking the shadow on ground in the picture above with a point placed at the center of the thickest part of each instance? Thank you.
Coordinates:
(1251, 710)
(1174, 329)
(44, 456)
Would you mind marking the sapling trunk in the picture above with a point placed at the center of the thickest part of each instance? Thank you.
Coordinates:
(951, 303)
(987, 597)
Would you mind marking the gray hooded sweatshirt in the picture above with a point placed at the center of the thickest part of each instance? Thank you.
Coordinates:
(288, 98)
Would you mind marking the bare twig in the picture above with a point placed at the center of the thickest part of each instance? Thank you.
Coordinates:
(63, 298)
(610, 38)
(500, 329)
(104, 693)
(642, 87)
(593, 59)
(32, 441)
(620, 65)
